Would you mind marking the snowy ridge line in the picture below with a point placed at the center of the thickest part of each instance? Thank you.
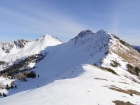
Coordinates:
(73, 74)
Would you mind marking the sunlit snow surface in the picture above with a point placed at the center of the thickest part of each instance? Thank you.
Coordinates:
(67, 75)
(81, 90)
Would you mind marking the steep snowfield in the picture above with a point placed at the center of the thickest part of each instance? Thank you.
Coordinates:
(67, 75)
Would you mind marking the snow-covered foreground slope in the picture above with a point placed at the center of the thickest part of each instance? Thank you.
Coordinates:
(89, 88)
(67, 75)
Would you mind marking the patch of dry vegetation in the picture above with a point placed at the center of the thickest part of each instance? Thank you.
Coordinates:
(109, 70)
(124, 83)
(118, 102)
(134, 92)
(131, 78)
(130, 91)
(118, 89)
(115, 64)
(128, 55)
(101, 79)
(133, 70)
(21, 76)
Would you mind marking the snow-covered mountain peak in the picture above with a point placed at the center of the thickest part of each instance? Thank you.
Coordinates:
(22, 48)
(49, 38)
(72, 67)
(89, 33)
(100, 32)
(46, 36)
(85, 32)
(83, 36)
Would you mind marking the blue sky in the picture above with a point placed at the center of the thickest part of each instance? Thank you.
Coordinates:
(64, 19)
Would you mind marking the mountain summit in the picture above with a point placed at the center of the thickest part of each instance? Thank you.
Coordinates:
(48, 40)
(95, 48)
(22, 48)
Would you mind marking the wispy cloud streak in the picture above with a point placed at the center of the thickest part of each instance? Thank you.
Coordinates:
(55, 23)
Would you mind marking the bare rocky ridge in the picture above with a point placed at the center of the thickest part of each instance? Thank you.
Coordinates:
(125, 51)
(6, 47)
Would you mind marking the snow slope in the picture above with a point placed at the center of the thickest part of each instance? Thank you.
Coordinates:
(29, 48)
(67, 75)
(84, 89)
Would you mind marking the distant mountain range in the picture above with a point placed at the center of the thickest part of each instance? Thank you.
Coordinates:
(136, 48)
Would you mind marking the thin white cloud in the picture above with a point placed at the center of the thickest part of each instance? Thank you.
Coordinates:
(124, 16)
(53, 23)
(23, 17)
(115, 24)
